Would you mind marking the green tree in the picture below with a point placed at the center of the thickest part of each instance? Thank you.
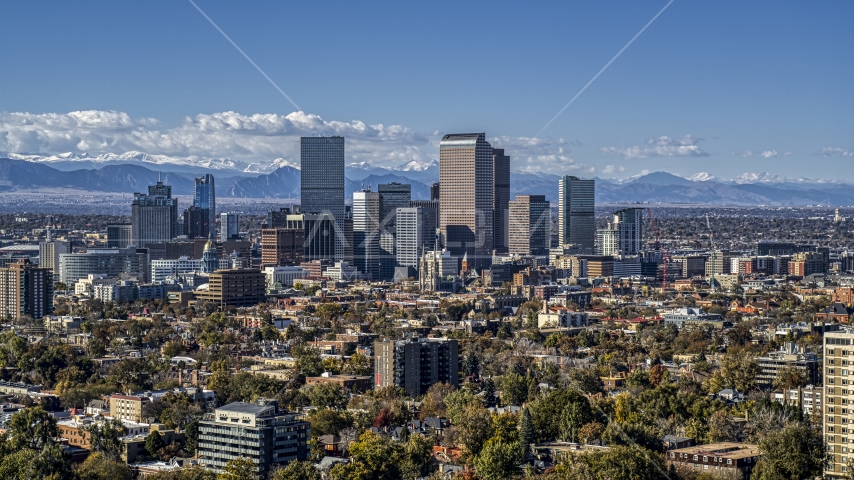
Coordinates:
(153, 444)
(514, 388)
(433, 404)
(179, 410)
(498, 459)
(195, 472)
(309, 363)
(790, 377)
(377, 455)
(240, 468)
(591, 432)
(571, 420)
(100, 467)
(297, 470)
(328, 422)
(327, 395)
(470, 363)
(738, 371)
(547, 413)
(105, 437)
(416, 456)
(489, 397)
(457, 401)
(173, 349)
(31, 428)
(619, 462)
(50, 463)
(358, 365)
(191, 434)
(795, 452)
(526, 429)
(474, 427)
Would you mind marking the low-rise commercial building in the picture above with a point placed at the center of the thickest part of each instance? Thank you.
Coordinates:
(722, 458)
(693, 316)
(244, 287)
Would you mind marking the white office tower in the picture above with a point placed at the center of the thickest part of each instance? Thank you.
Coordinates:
(366, 233)
(414, 235)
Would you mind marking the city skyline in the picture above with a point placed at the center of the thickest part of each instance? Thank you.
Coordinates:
(745, 95)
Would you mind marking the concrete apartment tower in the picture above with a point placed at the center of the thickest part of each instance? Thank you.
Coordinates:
(322, 186)
(576, 215)
(466, 192)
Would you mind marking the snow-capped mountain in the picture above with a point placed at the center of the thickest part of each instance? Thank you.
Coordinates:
(416, 166)
(764, 177)
(702, 177)
(270, 167)
(68, 159)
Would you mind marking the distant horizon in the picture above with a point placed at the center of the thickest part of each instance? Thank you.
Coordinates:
(56, 160)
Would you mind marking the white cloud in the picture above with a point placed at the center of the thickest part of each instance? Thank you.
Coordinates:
(665, 146)
(256, 142)
(610, 169)
(225, 135)
(530, 154)
(761, 153)
(835, 152)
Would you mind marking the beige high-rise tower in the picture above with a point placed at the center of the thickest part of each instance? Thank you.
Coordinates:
(466, 193)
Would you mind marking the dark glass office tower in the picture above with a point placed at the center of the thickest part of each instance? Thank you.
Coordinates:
(322, 184)
(576, 214)
(204, 200)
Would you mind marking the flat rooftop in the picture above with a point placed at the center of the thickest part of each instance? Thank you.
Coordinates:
(732, 450)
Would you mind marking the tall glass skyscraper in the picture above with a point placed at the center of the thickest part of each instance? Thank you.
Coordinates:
(204, 199)
(322, 184)
(366, 232)
(576, 215)
(501, 200)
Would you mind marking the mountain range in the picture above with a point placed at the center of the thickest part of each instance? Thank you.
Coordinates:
(20, 174)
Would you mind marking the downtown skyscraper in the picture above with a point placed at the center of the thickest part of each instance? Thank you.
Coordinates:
(500, 200)
(322, 188)
(366, 232)
(467, 196)
(154, 216)
(576, 215)
(204, 199)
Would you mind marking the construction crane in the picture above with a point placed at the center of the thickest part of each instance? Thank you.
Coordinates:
(714, 254)
(665, 254)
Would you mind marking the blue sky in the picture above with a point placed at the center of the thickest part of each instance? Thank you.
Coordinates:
(719, 87)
